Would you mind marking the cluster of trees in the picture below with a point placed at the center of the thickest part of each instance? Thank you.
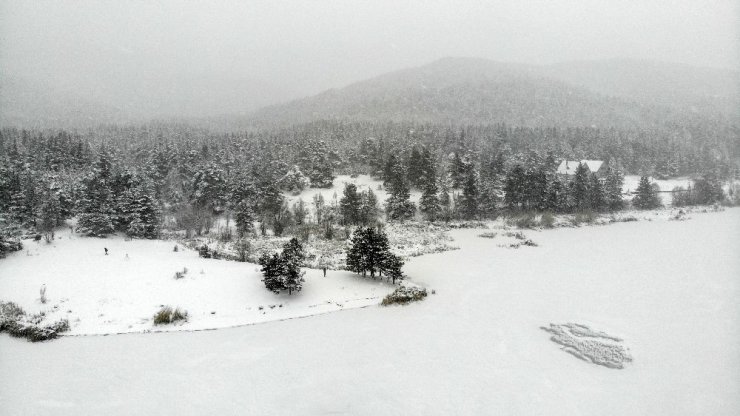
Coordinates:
(369, 252)
(134, 179)
(704, 191)
(539, 188)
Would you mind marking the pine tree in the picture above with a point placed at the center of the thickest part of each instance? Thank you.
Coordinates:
(350, 204)
(429, 204)
(416, 168)
(392, 265)
(145, 215)
(445, 203)
(244, 218)
(579, 188)
(613, 189)
(294, 181)
(50, 216)
(596, 195)
(282, 271)
(369, 208)
(646, 197)
(469, 202)
(515, 188)
(293, 256)
(368, 251)
(399, 206)
(94, 224)
(273, 272)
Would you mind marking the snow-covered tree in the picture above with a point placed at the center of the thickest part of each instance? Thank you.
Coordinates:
(369, 210)
(244, 218)
(469, 202)
(645, 195)
(398, 206)
(350, 205)
(294, 181)
(368, 251)
(282, 271)
(613, 189)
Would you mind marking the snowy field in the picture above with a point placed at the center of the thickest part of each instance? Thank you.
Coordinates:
(668, 290)
(121, 292)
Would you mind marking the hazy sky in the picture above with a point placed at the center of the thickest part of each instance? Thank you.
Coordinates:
(209, 57)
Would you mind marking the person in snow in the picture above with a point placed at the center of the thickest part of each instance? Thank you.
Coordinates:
(324, 269)
(106, 250)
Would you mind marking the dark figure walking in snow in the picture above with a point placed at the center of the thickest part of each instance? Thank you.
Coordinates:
(324, 269)
(106, 250)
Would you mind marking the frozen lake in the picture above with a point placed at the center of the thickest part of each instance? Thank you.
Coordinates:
(670, 289)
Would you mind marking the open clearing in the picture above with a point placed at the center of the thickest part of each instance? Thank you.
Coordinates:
(120, 292)
(670, 289)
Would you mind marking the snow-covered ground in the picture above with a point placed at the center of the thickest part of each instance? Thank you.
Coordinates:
(668, 289)
(121, 292)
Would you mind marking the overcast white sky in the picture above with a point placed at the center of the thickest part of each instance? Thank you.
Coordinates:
(180, 57)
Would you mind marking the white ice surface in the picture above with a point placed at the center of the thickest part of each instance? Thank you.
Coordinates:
(670, 289)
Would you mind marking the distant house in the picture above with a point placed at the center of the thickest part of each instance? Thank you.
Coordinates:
(568, 167)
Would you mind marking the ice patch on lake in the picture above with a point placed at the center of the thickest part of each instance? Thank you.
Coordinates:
(592, 346)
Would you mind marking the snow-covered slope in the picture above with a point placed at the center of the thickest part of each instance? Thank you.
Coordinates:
(668, 289)
(121, 292)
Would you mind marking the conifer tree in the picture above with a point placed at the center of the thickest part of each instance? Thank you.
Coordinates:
(645, 195)
(579, 188)
(50, 216)
(282, 271)
(469, 202)
(244, 218)
(445, 203)
(368, 251)
(515, 188)
(597, 198)
(613, 189)
(392, 265)
(369, 207)
(429, 203)
(399, 206)
(350, 204)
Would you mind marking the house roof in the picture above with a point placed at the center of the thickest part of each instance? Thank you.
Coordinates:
(568, 167)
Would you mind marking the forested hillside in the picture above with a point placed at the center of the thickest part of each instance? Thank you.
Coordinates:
(600, 94)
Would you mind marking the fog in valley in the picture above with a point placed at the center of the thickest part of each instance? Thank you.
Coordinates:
(126, 61)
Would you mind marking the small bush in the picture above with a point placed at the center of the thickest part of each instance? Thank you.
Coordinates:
(584, 217)
(529, 243)
(488, 235)
(9, 246)
(518, 235)
(167, 315)
(547, 220)
(404, 295)
(625, 219)
(525, 221)
(15, 322)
